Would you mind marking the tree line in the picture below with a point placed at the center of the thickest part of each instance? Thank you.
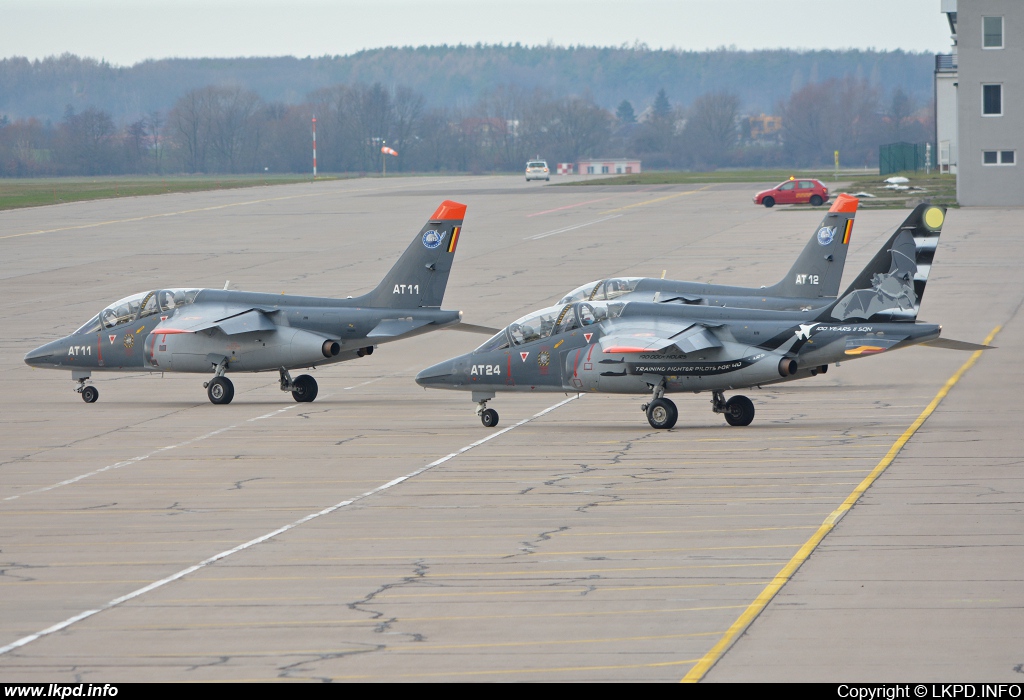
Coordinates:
(217, 129)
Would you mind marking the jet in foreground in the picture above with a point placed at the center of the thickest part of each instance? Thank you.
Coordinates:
(813, 280)
(665, 346)
(220, 331)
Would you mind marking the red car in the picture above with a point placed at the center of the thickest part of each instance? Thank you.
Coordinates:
(794, 191)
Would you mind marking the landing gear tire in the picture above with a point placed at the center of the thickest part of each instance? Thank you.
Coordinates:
(489, 418)
(305, 388)
(816, 201)
(662, 414)
(220, 390)
(90, 394)
(739, 411)
(768, 202)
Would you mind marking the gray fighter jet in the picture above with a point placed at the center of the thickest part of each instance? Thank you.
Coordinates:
(813, 280)
(664, 346)
(220, 331)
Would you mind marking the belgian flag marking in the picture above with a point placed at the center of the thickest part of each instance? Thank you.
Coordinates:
(849, 230)
(454, 240)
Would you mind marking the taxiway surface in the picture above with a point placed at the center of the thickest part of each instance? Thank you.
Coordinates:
(382, 534)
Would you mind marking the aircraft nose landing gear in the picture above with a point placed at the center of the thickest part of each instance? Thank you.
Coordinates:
(89, 393)
(488, 416)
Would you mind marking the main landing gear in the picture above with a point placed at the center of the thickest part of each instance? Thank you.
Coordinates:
(739, 410)
(220, 390)
(661, 412)
(303, 387)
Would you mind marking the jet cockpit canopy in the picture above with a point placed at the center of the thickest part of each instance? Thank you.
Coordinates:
(138, 306)
(602, 290)
(553, 320)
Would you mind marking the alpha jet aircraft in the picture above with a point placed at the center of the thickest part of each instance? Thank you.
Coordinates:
(655, 348)
(220, 331)
(813, 280)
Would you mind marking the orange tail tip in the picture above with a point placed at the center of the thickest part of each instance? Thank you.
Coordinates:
(845, 203)
(449, 211)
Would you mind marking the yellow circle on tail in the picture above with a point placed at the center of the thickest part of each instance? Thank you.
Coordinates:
(933, 218)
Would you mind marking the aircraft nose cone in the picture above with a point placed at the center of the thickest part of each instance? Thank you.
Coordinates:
(43, 355)
(437, 375)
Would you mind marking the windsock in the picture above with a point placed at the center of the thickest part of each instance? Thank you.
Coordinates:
(388, 151)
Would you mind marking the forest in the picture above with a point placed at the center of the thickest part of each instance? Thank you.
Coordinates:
(465, 109)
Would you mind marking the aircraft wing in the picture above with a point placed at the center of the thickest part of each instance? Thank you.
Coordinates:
(654, 336)
(471, 328)
(232, 319)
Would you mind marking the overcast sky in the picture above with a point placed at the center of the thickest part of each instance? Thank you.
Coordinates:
(124, 32)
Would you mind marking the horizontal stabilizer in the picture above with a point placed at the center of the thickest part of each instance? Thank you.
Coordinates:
(394, 327)
(471, 328)
(950, 344)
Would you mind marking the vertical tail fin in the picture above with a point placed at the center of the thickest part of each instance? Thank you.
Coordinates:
(818, 271)
(420, 276)
(890, 288)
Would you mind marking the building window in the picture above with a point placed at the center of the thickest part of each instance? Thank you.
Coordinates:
(999, 157)
(992, 32)
(992, 100)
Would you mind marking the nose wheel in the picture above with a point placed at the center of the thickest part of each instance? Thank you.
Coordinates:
(488, 416)
(89, 393)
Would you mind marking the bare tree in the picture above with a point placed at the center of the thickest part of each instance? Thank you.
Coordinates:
(710, 133)
(235, 127)
(580, 128)
(834, 115)
(407, 110)
(901, 108)
(189, 122)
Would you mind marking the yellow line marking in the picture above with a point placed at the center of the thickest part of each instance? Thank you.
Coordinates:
(655, 201)
(754, 609)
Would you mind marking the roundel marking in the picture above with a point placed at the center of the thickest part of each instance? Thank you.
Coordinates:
(432, 239)
(933, 218)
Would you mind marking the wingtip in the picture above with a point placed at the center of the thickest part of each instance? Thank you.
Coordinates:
(449, 211)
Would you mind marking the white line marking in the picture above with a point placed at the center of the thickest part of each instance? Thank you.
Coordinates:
(186, 443)
(263, 538)
(538, 236)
